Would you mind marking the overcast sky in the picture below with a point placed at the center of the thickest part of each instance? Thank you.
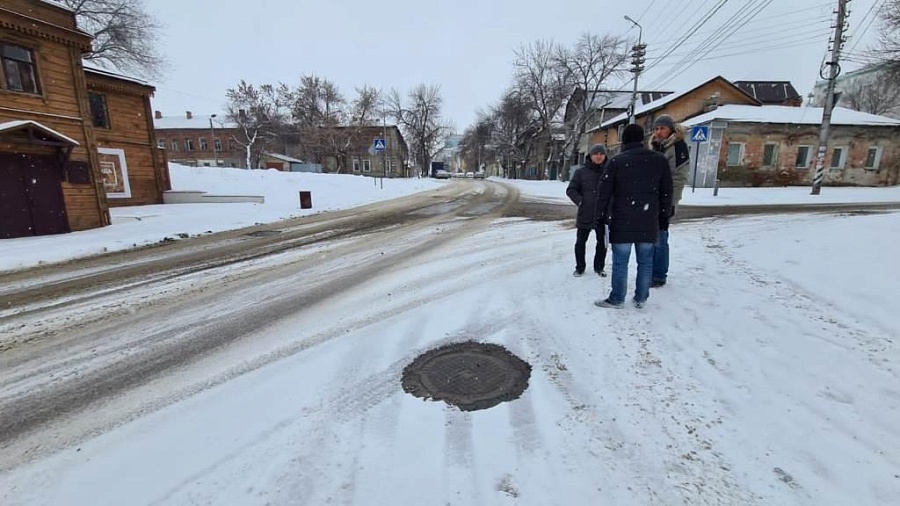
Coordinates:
(467, 46)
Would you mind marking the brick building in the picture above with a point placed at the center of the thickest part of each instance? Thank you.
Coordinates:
(776, 145)
(199, 140)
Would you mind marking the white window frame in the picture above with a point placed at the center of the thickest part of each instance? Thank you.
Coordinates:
(160, 143)
(217, 145)
(877, 161)
(125, 184)
(189, 145)
(740, 154)
(204, 144)
(809, 157)
(366, 165)
(356, 165)
(775, 153)
(175, 146)
(842, 161)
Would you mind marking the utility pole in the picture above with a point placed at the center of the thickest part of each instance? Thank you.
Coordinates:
(834, 69)
(637, 60)
(212, 139)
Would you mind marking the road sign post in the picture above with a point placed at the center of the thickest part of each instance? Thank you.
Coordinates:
(698, 134)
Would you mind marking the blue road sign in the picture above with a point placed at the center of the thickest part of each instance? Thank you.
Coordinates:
(378, 146)
(699, 134)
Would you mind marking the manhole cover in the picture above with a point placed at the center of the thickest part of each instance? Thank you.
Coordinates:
(468, 375)
(264, 233)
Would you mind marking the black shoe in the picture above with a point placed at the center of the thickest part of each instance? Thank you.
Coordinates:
(577, 273)
(601, 273)
(657, 283)
(639, 303)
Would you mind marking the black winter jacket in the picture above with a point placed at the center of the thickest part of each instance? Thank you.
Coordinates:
(637, 184)
(582, 190)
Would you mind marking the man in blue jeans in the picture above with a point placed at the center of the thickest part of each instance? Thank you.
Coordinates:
(636, 192)
(668, 139)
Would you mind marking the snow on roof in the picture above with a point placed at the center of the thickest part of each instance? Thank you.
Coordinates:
(790, 115)
(284, 158)
(196, 122)
(57, 5)
(656, 104)
(16, 124)
(90, 67)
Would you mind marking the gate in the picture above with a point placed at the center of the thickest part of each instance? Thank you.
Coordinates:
(31, 199)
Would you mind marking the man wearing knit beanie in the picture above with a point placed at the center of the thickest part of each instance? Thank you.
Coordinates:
(668, 139)
(636, 192)
(582, 190)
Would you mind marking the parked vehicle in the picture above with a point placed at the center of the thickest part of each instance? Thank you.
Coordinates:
(442, 174)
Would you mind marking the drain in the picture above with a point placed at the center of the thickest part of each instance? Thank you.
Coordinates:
(468, 375)
(263, 233)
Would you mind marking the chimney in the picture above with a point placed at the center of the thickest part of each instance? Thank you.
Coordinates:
(157, 114)
(189, 115)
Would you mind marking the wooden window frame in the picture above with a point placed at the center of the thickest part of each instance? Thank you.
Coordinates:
(105, 106)
(4, 84)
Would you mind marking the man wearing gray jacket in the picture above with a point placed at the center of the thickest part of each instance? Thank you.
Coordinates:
(668, 139)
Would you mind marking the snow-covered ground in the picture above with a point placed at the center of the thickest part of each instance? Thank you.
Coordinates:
(766, 372)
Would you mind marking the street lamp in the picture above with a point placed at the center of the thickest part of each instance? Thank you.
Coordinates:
(212, 138)
(636, 61)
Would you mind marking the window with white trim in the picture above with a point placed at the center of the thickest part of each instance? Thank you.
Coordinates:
(204, 144)
(356, 165)
(367, 165)
(838, 157)
(735, 154)
(189, 144)
(770, 155)
(161, 143)
(174, 145)
(803, 156)
(873, 158)
(217, 144)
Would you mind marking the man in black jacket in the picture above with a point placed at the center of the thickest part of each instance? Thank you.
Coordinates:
(637, 184)
(582, 190)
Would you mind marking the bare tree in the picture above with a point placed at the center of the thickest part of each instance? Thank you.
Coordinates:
(545, 88)
(879, 96)
(512, 118)
(125, 35)
(588, 65)
(420, 118)
(260, 113)
(476, 146)
(317, 102)
(889, 35)
(367, 108)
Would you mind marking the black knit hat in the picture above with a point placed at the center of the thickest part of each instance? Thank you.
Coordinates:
(633, 133)
(666, 121)
(597, 148)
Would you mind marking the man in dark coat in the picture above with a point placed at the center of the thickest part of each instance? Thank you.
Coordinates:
(582, 190)
(637, 184)
(668, 139)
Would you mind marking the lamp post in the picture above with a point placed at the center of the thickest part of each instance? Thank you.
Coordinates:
(212, 139)
(637, 61)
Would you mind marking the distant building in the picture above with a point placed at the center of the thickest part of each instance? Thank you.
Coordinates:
(883, 96)
(772, 92)
(199, 140)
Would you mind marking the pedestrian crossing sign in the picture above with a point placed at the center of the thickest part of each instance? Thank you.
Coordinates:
(378, 146)
(699, 134)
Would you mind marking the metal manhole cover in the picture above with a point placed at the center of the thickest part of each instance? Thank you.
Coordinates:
(263, 233)
(468, 375)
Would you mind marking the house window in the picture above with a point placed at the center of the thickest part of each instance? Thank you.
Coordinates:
(770, 155)
(18, 69)
(189, 144)
(217, 144)
(204, 144)
(802, 161)
(174, 145)
(99, 112)
(873, 157)
(838, 158)
(735, 154)
(367, 165)
(161, 143)
(356, 165)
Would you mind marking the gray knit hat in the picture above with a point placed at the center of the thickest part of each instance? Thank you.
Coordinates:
(664, 120)
(597, 148)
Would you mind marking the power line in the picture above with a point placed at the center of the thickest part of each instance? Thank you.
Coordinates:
(732, 44)
(753, 14)
(856, 38)
(675, 22)
(691, 31)
(780, 45)
(773, 29)
(646, 10)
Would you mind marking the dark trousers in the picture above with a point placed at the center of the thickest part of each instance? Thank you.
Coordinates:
(599, 254)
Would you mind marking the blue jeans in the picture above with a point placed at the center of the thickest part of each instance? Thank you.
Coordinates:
(621, 253)
(661, 256)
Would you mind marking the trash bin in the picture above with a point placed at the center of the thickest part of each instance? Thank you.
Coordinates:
(305, 200)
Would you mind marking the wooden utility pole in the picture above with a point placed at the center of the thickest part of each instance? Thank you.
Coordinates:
(834, 69)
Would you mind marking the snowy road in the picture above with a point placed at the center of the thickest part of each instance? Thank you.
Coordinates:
(274, 379)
